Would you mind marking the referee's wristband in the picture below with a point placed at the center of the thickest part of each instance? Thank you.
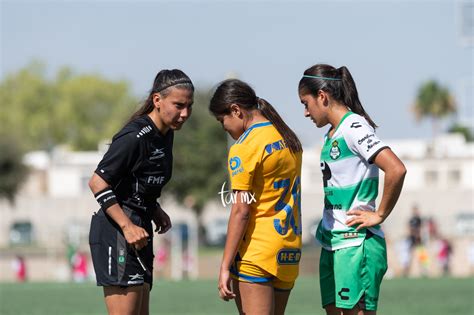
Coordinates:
(106, 198)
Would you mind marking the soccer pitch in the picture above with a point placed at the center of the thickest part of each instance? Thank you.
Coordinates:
(399, 296)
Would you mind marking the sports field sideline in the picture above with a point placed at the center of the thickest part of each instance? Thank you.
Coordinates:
(444, 296)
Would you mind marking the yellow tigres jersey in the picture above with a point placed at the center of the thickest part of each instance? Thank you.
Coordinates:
(260, 162)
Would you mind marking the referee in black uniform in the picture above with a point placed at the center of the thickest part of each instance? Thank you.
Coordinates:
(127, 184)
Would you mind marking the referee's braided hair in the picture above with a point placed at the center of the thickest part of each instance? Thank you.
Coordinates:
(164, 81)
(234, 91)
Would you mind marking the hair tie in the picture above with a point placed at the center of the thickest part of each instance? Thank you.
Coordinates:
(319, 77)
(258, 103)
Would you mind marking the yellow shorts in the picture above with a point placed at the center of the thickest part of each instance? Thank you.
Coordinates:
(248, 272)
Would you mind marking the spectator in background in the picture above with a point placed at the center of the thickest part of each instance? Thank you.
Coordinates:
(79, 266)
(470, 257)
(432, 229)
(404, 255)
(414, 224)
(19, 267)
(70, 253)
(423, 259)
(162, 255)
(444, 255)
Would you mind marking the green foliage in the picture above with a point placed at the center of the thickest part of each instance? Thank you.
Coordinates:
(12, 170)
(73, 109)
(465, 131)
(433, 100)
(200, 156)
(81, 110)
(26, 97)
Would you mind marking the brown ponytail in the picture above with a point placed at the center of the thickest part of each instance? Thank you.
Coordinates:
(234, 91)
(291, 140)
(351, 97)
(338, 83)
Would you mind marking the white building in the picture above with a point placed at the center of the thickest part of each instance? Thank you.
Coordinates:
(55, 202)
(440, 180)
(55, 205)
(53, 210)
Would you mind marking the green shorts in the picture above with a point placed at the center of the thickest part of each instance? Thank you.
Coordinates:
(351, 276)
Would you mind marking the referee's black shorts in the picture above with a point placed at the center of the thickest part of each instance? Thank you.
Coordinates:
(116, 262)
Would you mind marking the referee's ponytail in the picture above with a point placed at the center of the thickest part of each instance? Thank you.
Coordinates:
(234, 91)
(164, 80)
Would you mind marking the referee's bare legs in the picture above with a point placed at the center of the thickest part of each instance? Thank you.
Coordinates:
(133, 300)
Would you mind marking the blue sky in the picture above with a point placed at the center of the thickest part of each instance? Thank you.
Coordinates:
(390, 47)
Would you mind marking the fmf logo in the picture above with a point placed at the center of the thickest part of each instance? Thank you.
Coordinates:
(155, 180)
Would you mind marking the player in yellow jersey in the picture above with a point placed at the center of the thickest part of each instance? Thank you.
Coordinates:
(263, 246)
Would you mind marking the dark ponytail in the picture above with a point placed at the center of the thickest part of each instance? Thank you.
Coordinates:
(338, 83)
(164, 80)
(288, 135)
(234, 91)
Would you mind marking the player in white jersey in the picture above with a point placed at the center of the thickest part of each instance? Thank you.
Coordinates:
(353, 258)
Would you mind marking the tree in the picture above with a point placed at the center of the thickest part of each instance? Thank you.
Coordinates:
(78, 110)
(26, 97)
(89, 109)
(12, 169)
(433, 101)
(82, 110)
(465, 131)
(200, 158)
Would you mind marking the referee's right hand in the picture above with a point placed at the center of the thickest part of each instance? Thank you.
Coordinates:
(135, 235)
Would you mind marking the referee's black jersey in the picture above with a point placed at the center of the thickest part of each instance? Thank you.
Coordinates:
(138, 163)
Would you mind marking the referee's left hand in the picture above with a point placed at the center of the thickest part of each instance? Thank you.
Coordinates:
(161, 220)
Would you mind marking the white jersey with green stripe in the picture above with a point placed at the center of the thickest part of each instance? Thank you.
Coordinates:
(350, 180)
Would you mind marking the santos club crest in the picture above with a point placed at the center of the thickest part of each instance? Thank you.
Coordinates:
(334, 153)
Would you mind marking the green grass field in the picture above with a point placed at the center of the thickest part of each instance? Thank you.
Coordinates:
(445, 296)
